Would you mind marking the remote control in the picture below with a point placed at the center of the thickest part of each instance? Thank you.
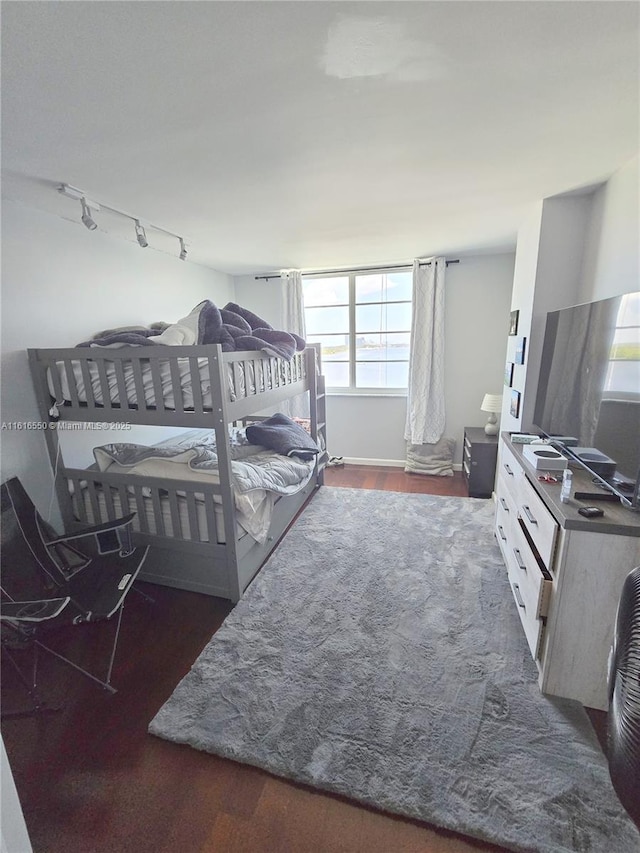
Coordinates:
(591, 511)
(596, 496)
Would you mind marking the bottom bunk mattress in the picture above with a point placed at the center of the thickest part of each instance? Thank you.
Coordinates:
(177, 509)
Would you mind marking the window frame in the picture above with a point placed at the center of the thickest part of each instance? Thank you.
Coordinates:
(352, 389)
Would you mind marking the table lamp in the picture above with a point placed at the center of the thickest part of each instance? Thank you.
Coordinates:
(491, 403)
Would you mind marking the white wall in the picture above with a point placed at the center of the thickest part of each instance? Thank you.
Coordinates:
(60, 285)
(478, 292)
(524, 283)
(477, 326)
(612, 256)
(264, 298)
(549, 262)
(571, 249)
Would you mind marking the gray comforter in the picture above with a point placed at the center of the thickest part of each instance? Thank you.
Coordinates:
(234, 327)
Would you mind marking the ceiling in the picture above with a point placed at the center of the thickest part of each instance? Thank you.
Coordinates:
(317, 134)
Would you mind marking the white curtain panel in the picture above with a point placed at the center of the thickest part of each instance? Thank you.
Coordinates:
(292, 302)
(293, 321)
(425, 400)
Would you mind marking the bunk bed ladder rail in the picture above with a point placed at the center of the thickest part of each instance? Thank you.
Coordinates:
(220, 420)
(43, 399)
(317, 406)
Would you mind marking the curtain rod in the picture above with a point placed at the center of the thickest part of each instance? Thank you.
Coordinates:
(360, 269)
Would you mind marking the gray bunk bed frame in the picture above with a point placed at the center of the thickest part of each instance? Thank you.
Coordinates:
(192, 558)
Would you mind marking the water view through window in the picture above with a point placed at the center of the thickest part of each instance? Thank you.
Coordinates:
(363, 322)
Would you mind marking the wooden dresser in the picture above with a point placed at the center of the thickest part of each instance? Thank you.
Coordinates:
(565, 571)
(479, 452)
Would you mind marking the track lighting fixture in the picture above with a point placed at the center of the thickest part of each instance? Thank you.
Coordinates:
(140, 235)
(87, 220)
(89, 206)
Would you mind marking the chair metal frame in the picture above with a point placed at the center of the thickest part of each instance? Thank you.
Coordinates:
(77, 587)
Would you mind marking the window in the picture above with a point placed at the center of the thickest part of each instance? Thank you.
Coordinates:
(623, 374)
(362, 319)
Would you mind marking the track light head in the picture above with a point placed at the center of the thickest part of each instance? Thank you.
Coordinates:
(141, 235)
(89, 207)
(87, 219)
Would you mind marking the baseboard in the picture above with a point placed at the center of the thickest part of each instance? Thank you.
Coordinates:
(384, 463)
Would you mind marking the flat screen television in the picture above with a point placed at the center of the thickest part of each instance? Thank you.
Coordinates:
(588, 398)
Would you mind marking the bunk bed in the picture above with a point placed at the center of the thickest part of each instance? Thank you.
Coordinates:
(196, 527)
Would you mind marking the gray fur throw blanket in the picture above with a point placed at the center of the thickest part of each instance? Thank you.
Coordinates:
(234, 327)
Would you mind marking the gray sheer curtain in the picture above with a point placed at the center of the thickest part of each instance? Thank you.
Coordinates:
(425, 399)
(293, 321)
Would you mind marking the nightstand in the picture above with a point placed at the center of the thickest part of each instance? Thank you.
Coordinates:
(479, 453)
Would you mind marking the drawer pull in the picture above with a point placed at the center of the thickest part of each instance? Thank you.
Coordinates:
(508, 470)
(519, 560)
(504, 505)
(502, 534)
(529, 514)
(516, 592)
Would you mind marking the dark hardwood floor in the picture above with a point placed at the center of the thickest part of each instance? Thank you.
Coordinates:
(91, 779)
(394, 480)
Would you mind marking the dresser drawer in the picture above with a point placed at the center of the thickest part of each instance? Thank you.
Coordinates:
(540, 524)
(506, 514)
(509, 469)
(535, 582)
(506, 497)
(533, 626)
(503, 528)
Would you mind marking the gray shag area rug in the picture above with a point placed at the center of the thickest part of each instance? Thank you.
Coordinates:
(379, 655)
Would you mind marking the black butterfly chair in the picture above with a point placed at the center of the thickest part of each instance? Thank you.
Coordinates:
(49, 584)
(624, 699)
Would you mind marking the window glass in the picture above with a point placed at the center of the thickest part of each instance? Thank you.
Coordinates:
(393, 346)
(325, 291)
(382, 374)
(623, 375)
(363, 322)
(383, 287)
(336, 374)
(395, 317)
(321, 320)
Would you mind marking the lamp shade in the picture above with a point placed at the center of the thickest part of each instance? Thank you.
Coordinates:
(491, 403)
